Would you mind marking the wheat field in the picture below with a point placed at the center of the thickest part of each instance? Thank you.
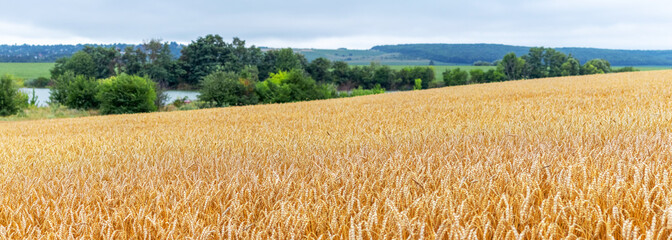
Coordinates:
(575, 157)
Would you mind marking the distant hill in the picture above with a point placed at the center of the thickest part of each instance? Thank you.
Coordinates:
(470, 53)
(403, 54)
(362, 57)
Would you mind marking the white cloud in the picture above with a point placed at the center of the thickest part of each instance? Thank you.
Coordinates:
(347, 23)
(17, 33)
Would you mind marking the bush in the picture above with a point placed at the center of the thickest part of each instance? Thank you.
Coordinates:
(228, 89)
(126, 94)
(161, 95)
(292, 86)
(198, 105)
(40, 82)
(361, 92)
(179, 102)
(11, 99)
(272, 90)
(418, 84)
(81, 93)
(455, 77)
(327, 90)
(59, 91)
(75, 91)
(625, 69)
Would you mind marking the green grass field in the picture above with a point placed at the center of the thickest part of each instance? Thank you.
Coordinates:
(26, 71)
(438, 70)
(646, 68)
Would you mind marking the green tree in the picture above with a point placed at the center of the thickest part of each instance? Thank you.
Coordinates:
(427, 75)
(295, 85)
(602, 65)
(59, 90)
(81, 93)
(455, 77)
(203, 57)
(340, 72)
(228, 88)
(11, 99)
(512, 66)
(571, 67)
(80, 63)
(133, 60)
(554, 60)
(273, 89)
(494, 76)
(588, 69)
(319, 70)
(158, 62)
(534, 62)
(477, 76)
(418, 84)
(385, 77)
(126, 94)
(210, 53)
(105, 61)
(243, 56)
(281, 60)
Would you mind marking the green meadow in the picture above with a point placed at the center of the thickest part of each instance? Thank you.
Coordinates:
(26, 71)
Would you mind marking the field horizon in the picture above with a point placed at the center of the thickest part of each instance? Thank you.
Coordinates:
(586, 156)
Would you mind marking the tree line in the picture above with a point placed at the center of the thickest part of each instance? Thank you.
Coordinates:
(211, 53)
(226, 74)
(539, 62)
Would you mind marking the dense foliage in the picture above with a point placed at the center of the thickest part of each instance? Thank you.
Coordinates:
(537, 63)
(226, 73)
(126, 94)
(228, 89)
(11, 99)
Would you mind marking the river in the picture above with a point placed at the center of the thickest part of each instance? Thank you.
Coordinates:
(44, 93)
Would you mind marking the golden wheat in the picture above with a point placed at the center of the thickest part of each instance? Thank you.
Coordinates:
(549, 158)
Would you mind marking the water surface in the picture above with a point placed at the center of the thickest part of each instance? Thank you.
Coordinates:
(44, 93)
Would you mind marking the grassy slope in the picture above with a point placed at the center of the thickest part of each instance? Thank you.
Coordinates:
(438, 70)
(586, 156)
(26, 71)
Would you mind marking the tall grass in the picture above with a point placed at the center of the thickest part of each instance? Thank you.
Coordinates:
(572, 157)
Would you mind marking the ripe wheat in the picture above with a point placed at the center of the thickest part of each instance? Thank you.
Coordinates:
(582, 156)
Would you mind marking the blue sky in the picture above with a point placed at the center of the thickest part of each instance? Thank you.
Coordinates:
(643, 24)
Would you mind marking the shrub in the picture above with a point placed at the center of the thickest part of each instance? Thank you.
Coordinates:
(126, 94)
(455, 77)
(302, 86)
(418, 84)
(161, 95)
(179, 102)
(228, 89)
(361, 92)
(40, 82)
(328, 90)
(81, 93)
(272, 90)
(625, 69)
(59, 91)
(11, 99)
(75, 91)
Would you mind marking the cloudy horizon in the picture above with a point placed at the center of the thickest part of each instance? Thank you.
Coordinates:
(348, 24)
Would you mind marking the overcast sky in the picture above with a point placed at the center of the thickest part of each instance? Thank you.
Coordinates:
(643, 24)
